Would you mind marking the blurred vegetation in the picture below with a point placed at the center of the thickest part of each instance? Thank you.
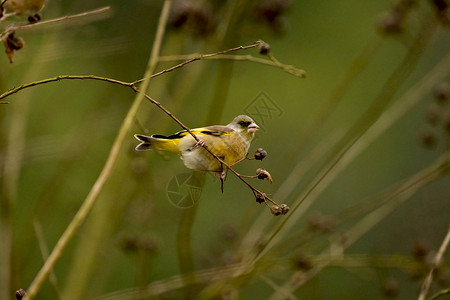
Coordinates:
(359, 150)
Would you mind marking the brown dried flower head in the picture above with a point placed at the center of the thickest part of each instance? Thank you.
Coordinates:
(20, 293)
(281, 209)
(264, 49)
(260, 154)
(263, 174)
(260, 198)
(12, 44)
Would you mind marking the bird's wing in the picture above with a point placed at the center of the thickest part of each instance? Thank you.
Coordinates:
(215, 130)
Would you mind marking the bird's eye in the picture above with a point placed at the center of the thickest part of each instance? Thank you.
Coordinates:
(244, 123)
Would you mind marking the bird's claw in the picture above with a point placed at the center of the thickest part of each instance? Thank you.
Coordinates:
(200, 143)
(222, 175)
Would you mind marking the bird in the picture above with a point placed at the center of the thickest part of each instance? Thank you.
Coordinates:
(230, 143)
(28, 8)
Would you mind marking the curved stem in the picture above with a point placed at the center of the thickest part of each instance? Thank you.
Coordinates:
(88, 203)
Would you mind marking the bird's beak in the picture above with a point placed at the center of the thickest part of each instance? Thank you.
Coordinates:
(252, 127)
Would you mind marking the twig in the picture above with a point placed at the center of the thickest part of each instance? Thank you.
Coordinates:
(254, 190)
(133, 84)
(199, 57)
(436, 261)
(14, 28)
(397, 195)
(440, 293)
(287, 68)
(59, 78)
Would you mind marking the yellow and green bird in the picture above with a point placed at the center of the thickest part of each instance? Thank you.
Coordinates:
(230, 143)
(28, 8)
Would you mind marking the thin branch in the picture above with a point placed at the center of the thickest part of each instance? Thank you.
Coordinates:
(133, 84)
(59, 78)
(287, 68)
(254, 190)
(437, 260)
(199, 57)
(13, 28)
(440, 293)
(397, 195)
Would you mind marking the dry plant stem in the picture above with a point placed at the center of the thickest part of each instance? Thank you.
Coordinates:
(337, 94)
(131, 85)
(104, 175)
(159, 287)
(440, 293)
(86, 207)
(397, 195)
(44, 252)
(59, 78)
(13, 162)
(14, 28)
(278, 289)
(137, 90)
(287, 68)
(339, 153)
(254, 190)
(436, 261)
(367, 261)
(394, 113)
(212, 275)
(195, 57)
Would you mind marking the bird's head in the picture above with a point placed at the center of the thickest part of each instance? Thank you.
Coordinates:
(244, 125)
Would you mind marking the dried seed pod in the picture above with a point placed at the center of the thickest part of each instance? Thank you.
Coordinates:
(260, 198)
(302, 262)
(281, 209)
(390, 23)
(427, 139)
(440, 5)
(260, 154)
(275, 210)
(264, 49)
(34, 18)
(12, 44)
(20, 293)
(284, 208)
(198, 19)
(321, 223)
(421, 250)
(390, 288)
(441, 92)
(263, 174)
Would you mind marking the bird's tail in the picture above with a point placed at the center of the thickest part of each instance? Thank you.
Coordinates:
(157, 142)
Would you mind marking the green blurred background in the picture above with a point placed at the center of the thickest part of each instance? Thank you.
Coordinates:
(56, 137)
